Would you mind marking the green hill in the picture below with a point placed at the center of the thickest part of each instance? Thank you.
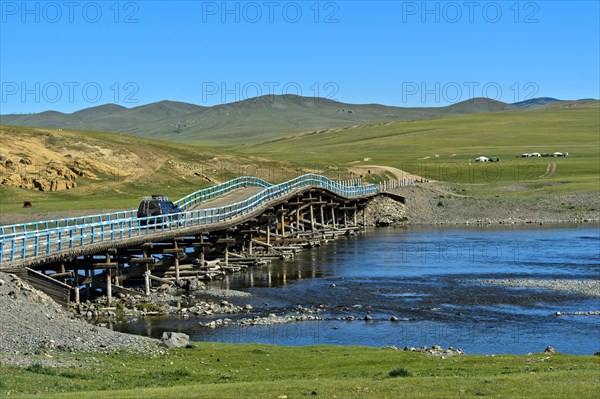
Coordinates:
(445, 148)
(112, 170)
(245, 121)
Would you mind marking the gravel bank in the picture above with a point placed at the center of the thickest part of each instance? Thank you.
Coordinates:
(33, 327)
(585, 287)
(438, 204)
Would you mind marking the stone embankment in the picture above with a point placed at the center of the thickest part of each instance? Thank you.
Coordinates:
(437, 204)
(34, 327)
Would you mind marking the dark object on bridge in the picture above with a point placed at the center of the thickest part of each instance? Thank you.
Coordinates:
(27, 204)
(157, 205)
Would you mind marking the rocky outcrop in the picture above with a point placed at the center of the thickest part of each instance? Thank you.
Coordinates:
(51, 177)
(41, 183)
(436, 350)
(174, 340)
(383, 211)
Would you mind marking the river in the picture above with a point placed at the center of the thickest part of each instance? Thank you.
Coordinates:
(429, 278)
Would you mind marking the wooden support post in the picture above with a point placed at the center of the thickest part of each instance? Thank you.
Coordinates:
(108, 287)
(268, 233)
(176, 261)
(282, 222)
(88, 286)
(312, 219)
(202, 250)
(364, 219)
(333, 217)
(226, 255)
(147, 281)
(345, 219)
(250, 245)
(298, 222)
(76, 285)
(355, 223)
(321, 211)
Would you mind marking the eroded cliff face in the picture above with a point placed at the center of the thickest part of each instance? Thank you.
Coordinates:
(50, 160)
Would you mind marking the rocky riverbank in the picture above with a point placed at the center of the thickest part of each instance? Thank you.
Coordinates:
(438, 204)
(34, 328)
(586, 287)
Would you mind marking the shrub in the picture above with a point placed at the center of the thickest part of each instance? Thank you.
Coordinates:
(39, 369)
(399, 372)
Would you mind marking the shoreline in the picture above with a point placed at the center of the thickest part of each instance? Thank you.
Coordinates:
(423, 209)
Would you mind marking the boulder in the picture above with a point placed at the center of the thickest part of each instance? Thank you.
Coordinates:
(42, 184)
(550, 350)
(83, 172)
(9, 164)
(174, 339)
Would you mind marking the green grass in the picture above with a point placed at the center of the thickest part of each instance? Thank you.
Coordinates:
(214, 370)
(444, 149)
(438, 149)
(157, 169)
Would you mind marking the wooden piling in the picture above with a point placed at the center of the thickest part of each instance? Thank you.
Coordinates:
(282, 221)
(333, 217)
(147, 281)
(108, 288)
(176, 261)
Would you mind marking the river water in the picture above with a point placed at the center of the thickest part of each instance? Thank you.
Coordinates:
(429, 278)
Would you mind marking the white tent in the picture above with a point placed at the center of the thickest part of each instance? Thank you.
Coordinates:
(482, 159)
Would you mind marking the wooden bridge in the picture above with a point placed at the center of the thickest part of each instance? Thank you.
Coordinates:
(232, 225)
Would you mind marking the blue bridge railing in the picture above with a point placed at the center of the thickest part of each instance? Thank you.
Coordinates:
(46, 238)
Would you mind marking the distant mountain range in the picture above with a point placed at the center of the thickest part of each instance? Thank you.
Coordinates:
(249, 120)
(536, 102)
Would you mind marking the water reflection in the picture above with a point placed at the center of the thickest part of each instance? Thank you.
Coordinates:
(427, 277)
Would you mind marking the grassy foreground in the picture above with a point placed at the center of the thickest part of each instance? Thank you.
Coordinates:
(213, 370)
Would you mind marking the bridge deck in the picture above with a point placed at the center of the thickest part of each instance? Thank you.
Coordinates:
(225, 205)
(232, 197)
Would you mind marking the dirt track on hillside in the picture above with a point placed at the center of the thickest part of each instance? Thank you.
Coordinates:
(364, 170)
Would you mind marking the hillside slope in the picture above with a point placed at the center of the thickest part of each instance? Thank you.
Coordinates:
(445, 148)
(249, 120)
(72, 169)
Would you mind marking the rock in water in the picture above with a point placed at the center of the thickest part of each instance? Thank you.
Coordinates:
(174, 339)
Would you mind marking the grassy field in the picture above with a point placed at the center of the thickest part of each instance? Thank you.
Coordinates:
(214, 370)
(445, 148)
(127, 168)
(440, 149)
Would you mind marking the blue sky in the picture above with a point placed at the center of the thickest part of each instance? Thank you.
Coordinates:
(72, 55)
